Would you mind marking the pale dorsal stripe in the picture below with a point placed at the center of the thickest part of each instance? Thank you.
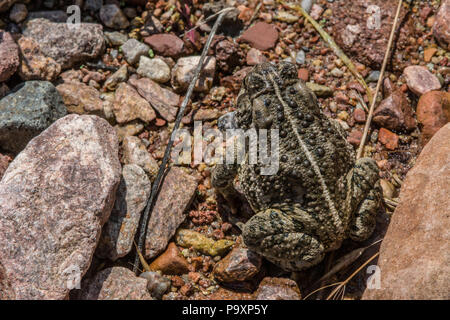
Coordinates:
(335, 216)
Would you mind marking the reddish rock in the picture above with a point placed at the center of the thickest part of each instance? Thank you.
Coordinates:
(303, 74)
(420, 80)
(441, 27)
(240, 264)
(171, 262)
(9, 56)
(395, 113)
(359, 115)
(414, 256)
(234, 81)
(54, 199)
(254, 57)
(228, 55)
(163, 100)
(166, 44)
(355, 137)
(175, 196)
(277, 289)
(115, 283)
(362, 28)
(80, 98)
(388, 138)
(433, 112)
(262, 36)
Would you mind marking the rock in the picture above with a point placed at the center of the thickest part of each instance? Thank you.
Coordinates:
(228, 55)
(359, 115)
(319, 90)
(227, 121)
(231, 25)
(262, 36)
(58, 16)
(18, 12)
(316, 11)
(188, 238)
(27, 112)
(34, 65)
(176, 194)
(113, 17)
(307, 4)
(395, 113)
(433, 112)
(277, 289)
(240, 264)
(118, 233)
(154, 69)
(130, 129)
(428, 53)
(373, 76)
(171, 262)
(135, 152)
(9, 56)
(361, 28)
(93, 5)
(116, 38)
(129, 105)
(133, 50)
(66, 45)
(163, 100)
(165, 44)
(441, 26)
(54, 198)
(6, 4)
(420, 80)
(303, 74)
(388, 138)
(355, 137)
(254, 57)
(414, 260)
(300, 57)
(117, 77)
(81, 98)
(286, 17)
(183, 73)
(206, 114)
(4, 163)
(116, 283)
(157, 284)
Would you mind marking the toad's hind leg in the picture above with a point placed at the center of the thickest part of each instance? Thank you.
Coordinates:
(222, 180)
(280, 238)
(366, 186)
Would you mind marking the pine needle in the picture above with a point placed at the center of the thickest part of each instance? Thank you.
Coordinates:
(141, 258)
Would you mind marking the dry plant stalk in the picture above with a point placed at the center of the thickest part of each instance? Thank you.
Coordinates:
(159, 177)
(380, 80)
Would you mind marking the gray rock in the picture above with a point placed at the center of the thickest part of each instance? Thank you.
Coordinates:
(93, 5)
(116, 283)
(54, 198)
(119, 231)
(227, 121)
(27, 112)
(373, 76)
(176, 194)
(307, 5)
(53, 15)
(116, 38)
(300, 58)
(113, 17)
(183, 73)
(157, 284)
(133, 50)
(135, 152)
(18, 12)
(117, 77)
(155, 69)
(66, 45)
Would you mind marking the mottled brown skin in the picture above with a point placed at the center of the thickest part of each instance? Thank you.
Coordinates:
(319, 196)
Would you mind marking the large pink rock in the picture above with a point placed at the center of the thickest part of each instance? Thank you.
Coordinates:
(166, 44)
(261, 36)
(414, 257)
(420, 80)
(54, 199)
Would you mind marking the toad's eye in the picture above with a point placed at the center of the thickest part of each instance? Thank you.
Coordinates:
(254, 83)
(287, 70)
